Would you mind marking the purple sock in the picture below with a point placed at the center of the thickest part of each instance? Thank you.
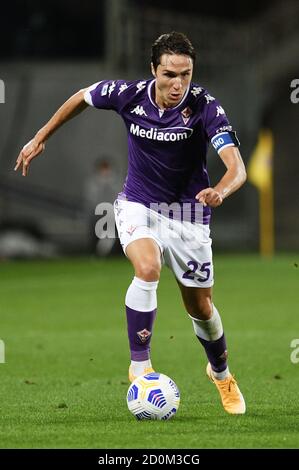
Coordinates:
(140, 326)
(216, 353)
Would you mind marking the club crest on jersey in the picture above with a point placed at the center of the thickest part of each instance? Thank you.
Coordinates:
(186, 113)
(143, 335)
(131, 229)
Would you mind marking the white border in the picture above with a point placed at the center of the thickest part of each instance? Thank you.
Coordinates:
(87, 95)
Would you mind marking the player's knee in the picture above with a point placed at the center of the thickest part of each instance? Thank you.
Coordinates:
(202, 309)
(148, 270)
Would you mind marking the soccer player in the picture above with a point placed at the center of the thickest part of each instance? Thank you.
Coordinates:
(164, 210)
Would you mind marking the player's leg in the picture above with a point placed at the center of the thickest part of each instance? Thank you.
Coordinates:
(144, 251)
(189, 256)
(144, 248)
(209, 331)
(141, 302)
(207, 326)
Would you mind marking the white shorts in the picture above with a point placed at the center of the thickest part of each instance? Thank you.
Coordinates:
(185, 247)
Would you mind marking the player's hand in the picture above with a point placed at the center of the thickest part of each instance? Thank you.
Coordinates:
(28, 152)
(209, 197)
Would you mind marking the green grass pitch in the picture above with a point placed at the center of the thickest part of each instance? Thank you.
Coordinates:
(64, 381)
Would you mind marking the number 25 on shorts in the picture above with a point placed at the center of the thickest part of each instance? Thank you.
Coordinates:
(205, 268)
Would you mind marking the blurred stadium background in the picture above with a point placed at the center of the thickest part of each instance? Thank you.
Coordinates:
(247, 57)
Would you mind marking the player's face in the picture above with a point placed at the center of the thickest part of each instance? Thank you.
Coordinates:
(173, 76)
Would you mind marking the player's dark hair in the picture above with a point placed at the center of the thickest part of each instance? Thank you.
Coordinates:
(172, 43)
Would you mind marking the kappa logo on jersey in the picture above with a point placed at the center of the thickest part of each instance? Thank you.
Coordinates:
(220, 110)
(166, 134)
(122, 88)
(186, 113)
(139, 111)
(196, 90)
(111, 88)
(144, 335)
(140, 86)
(209, 98)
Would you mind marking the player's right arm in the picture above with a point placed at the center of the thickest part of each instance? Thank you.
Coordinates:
(73, 106)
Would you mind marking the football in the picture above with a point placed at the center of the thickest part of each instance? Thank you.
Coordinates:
(153, 396)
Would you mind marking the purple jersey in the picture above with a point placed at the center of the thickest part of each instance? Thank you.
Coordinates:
(167, 148)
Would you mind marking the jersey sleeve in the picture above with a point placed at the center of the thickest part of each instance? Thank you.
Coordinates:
(217, 126)
(107, 94)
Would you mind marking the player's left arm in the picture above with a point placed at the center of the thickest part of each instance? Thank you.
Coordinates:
(233, 179)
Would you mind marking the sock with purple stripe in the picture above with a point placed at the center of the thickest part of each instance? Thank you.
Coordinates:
(217, 354)
(141, 308)
(211, 336)
(140, 325)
